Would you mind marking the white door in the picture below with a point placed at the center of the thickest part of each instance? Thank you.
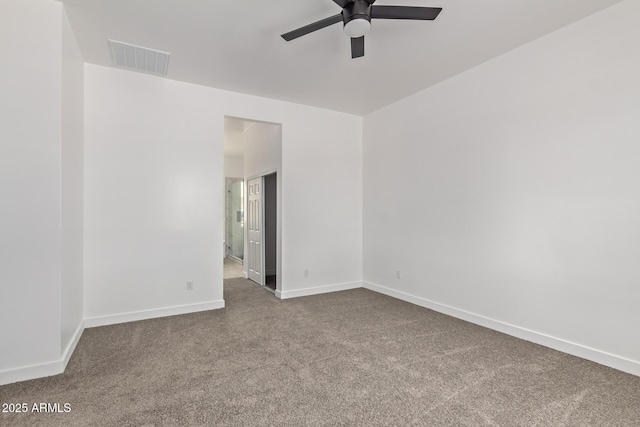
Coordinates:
(254, 230)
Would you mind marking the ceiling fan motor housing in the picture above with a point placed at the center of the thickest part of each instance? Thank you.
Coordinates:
(358, 9)
(357, 18)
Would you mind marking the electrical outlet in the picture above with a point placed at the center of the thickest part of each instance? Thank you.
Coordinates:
(306, 273)
(189, 285)
(398, 274)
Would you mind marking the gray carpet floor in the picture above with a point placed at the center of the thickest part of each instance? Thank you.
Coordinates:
(347, 358)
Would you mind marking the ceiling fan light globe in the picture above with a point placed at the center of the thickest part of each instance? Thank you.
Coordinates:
(357, 27)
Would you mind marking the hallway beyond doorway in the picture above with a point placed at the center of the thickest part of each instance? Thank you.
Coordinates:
(232, 269)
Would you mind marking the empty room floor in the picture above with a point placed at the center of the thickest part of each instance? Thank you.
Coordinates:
(346, 358)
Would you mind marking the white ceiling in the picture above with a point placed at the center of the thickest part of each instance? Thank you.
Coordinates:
(236, 45)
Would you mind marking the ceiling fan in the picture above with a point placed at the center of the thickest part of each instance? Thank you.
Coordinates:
(357, 15)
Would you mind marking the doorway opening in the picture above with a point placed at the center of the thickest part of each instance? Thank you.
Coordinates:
(252, 164)
(234, 200)
(270, 230)
(234, 227)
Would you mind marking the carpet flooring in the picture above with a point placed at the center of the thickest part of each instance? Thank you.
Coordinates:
(347, 358)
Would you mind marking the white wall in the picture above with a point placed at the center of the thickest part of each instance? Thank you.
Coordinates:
(72, 183)
(233, 167)
(262, 149)
(153, 187)
(321, 195)
(154, 193)
(30, 183)
(509, 194)
(40, 189)
(233, 139)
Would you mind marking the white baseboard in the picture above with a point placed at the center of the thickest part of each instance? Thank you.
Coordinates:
(317, 290)
(66, 356)
(594, 355)
(25, 373)
(56, 367)
(112, 319)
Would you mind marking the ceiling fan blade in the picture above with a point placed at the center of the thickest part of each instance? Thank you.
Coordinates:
(357, 47)
(312, 27)
(405, 12)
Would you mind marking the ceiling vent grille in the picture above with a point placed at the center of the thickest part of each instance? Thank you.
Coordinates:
(139, 58)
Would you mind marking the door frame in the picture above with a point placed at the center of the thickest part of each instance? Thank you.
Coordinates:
(269, 243)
